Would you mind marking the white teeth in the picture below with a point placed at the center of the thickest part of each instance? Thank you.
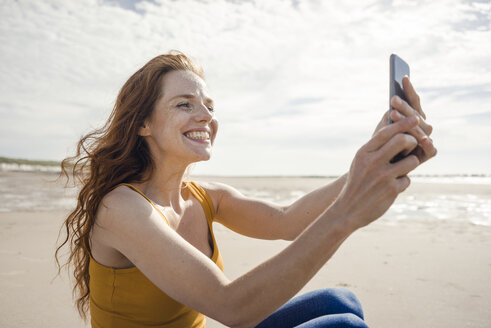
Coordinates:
(200, 135)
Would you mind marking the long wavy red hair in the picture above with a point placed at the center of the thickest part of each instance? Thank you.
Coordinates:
(110, 155)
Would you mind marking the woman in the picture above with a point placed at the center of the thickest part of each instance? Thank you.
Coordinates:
(141, 238)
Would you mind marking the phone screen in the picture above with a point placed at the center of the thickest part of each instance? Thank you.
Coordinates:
(398, 68)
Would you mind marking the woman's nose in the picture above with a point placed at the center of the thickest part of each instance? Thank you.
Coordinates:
(204, 114)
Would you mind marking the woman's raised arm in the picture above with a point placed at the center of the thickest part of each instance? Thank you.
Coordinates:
(260, 219)
(265, 220)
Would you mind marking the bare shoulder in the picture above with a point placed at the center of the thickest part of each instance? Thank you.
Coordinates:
(121, 206)
(120, 212)
(220, 192)
(218, 188)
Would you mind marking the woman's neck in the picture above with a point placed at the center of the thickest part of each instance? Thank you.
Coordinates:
(164, 186)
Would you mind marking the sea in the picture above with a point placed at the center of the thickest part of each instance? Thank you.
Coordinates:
(452, 198)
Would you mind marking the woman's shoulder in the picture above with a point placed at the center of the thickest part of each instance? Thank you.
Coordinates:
(215, 188)
(115, 221)
(121, 202)
(219, 192)
(121, 195)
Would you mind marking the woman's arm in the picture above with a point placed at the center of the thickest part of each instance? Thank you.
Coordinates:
(259, 219)
(134, 229)
(307, 208)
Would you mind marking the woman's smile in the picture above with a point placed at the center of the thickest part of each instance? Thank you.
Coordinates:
(200, 136)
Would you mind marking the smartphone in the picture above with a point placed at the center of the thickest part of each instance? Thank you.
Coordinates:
(398, 69)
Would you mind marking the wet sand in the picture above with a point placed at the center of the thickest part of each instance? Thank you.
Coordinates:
(410, 274)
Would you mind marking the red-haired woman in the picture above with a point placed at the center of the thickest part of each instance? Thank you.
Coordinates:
(141, 239)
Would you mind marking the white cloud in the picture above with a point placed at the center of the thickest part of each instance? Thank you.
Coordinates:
(300, 85)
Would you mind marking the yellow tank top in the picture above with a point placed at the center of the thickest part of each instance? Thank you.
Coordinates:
(125, 298)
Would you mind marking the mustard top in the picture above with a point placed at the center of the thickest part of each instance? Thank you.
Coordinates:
(125, 298)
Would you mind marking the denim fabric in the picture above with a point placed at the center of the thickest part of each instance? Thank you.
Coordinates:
(331, 307)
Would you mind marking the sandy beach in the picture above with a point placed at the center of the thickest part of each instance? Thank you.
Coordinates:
(406, 274)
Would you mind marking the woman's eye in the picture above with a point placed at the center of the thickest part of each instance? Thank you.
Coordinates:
(185, 105)
(189, 107)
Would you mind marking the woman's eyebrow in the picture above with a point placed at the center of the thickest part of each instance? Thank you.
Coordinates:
(187, 96)
(191, 96)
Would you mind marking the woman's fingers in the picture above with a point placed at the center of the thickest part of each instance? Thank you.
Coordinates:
(405, 166)
(417, 131)
(412, 96)
(386, 133)
(401, 142)
(384, 117)
(406, 110)
(383, 122)
(402, 183)
(425, 149)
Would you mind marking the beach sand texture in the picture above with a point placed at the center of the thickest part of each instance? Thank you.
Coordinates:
(407, 273)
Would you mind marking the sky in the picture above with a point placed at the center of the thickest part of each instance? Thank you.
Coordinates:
(299, 86)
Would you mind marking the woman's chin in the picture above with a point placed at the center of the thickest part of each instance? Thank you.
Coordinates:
(201, 157)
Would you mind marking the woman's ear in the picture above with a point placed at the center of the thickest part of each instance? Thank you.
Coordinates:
(144, 131)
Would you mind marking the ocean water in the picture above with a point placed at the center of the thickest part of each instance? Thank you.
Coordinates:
(34, 191)
(455, 198)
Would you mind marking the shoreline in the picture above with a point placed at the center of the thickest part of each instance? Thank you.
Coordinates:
(46, 166)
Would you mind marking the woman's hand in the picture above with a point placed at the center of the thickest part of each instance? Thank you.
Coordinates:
(425, 148)
(374, 182)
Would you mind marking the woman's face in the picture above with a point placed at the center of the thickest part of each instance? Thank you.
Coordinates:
(182, 126)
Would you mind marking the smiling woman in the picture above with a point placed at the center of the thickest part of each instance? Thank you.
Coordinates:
(141, 238)
(182, 120)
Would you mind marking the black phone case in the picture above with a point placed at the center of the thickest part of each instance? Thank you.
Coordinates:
(398, 69)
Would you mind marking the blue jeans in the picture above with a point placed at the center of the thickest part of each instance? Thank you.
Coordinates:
(331, 307)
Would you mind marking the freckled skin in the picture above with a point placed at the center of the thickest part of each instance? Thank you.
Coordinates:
(173, 116)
